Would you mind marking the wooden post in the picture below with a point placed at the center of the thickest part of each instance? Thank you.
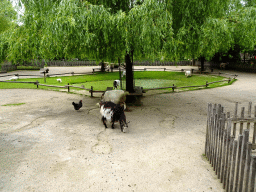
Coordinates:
(233, 165)
(235, 116)
(223, 165)
(215, 133)
(241, 124)
(44, 77)
(173, 88)
(232, 138)
(91, 91)
(68, 87)
(252, 174)
(243, 158)
(222, 127)
(207, 130)
(254, 128)
(206, 84)
(37, 83)
(227, 150)
(247, 167)
(238, 157)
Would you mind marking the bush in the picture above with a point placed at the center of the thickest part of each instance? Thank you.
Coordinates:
(28, 68)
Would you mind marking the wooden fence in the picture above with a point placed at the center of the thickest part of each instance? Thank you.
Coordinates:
(229, 150)
(162, 63)
(91, 90)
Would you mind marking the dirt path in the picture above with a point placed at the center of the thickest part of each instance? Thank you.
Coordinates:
(45, 145)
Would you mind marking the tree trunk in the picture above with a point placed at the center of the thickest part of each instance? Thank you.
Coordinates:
(202, 63)
(129, 73)
(102, 67)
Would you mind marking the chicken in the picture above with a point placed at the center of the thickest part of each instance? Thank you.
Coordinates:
(77, 106)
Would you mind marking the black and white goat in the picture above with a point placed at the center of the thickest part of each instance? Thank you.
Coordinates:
(116, 84)
(113, 113)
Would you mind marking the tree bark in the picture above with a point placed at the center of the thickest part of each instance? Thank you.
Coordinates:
(102, 67)
(129, 73)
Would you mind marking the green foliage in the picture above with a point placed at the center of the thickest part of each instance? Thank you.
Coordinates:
(7, 23)
(7, 15)
(107, 30)
(28, 68)
(244, 23)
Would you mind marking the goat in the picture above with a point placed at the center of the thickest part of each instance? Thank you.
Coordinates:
(188, 73)
(116, 84)
(113, 113)
(14, 78)
(223, 65)
(123, 74)
(59, 80)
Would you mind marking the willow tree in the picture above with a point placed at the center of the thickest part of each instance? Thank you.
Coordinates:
(108, 30)
(78, 29)
(243, 21)
(7, 23)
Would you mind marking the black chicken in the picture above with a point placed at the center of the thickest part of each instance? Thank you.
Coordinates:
(77, 106)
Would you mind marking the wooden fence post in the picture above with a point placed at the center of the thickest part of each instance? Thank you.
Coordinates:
(254, 127)
(44, 77)
(224, 154)
(243, 159)
(252, 174)
(222, 127)
(238, 157)
(241, 123)
(207, 131)
(235, 117)
(230, 147)
(206, 84)
(233, 165)
(68, 87)
(173, 88)
(91, 91)
(226, 160)
(247, 167)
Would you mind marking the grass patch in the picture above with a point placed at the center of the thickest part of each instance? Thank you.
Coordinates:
(14, 104)
(100, 81)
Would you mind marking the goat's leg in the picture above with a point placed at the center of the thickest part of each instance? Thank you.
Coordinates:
(121, 125)
(104, 121)
(113, 124)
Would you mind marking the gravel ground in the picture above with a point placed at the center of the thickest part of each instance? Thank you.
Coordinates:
(45, 145)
